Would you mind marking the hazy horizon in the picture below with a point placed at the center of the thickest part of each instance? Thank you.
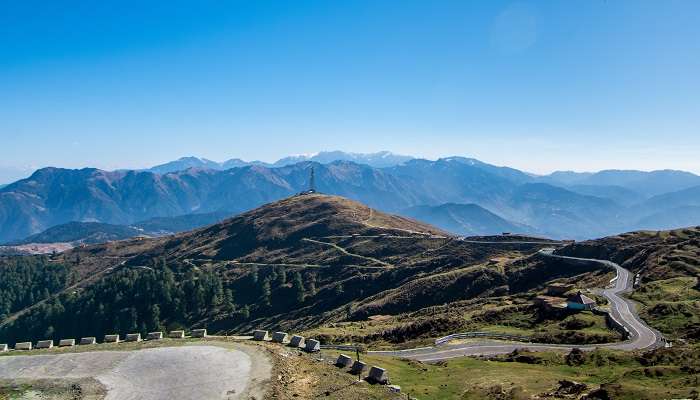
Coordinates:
(14, 174)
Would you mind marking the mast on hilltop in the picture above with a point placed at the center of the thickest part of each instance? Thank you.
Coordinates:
(312, 183)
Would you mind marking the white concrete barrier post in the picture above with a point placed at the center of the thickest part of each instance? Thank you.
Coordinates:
(23, 346)
(111, 339)
(312, 346)
(358, 367)
(66, 343)
(343, 361)
(44, 344)
(4, 348)
(177, 335)
(133, 337)
(88, 340)
(279, 337)
(378, 375)
(260, 335)
(199, 333)
(297, 341)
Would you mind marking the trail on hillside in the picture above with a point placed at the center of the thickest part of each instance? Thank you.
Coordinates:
(346, 252)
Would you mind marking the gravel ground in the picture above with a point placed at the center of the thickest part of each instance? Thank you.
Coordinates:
(164, 373)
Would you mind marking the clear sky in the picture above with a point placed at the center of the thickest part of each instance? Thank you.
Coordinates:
(537, 85)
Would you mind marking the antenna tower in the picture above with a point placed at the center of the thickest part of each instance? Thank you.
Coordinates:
(312, 181)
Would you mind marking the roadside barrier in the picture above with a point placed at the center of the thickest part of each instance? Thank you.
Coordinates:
(111, 339)
(44, 344)
(23, 346)
(312, 346)
(133, 337)
(88, 340)
(343, 361)
(66, 343)
(378, 375)
(279, 337)
(491, 335)
(260, 335)
(358, 367)
(343, 347)
(199, 333)
(177, 335)
(297, 341)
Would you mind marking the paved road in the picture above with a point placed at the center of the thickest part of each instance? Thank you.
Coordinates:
(622, 310)
(166, 373)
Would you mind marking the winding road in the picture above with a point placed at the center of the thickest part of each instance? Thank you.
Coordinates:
(622, 310)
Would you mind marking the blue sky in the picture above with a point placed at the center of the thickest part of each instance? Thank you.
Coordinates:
(540, 85)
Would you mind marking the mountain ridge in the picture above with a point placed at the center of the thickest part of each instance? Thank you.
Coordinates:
(53, 196)
(379, 159)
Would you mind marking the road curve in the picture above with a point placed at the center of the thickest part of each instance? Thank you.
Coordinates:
(623, 310)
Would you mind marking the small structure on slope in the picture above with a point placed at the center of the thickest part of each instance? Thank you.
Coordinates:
(580, 301)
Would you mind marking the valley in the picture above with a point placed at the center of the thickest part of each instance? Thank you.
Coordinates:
(334, 269)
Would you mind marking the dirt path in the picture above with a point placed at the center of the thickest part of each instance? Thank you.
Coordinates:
(344, 251)
(164, 373)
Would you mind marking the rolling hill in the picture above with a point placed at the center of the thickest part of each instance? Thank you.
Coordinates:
(96, 232)
(667, 264)
(81, 232)
(296, 263)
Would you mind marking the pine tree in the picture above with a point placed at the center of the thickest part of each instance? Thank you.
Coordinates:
(281, 277)
(266, 293)
(298, 287)
(311, 279)
(154, 317)
(228, 300)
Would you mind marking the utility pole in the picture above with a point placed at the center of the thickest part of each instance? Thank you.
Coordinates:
(312, 181)
(357, 352)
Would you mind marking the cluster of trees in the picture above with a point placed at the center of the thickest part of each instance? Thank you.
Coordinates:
(140, 299)
(155, 297)
(27, 280)
(274, 289)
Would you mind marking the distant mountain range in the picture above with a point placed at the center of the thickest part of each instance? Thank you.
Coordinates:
(638, 182)
(465, 219)
(462, 195)
(98, 232)
(380, 159)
